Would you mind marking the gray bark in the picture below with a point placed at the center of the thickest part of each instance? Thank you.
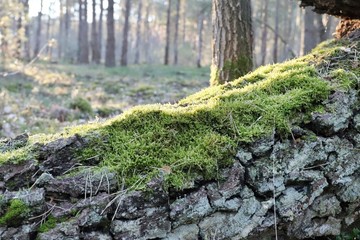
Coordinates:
(176, 36)
(38, 30)
(126, 29)
(110, 41)
(138, 34)
(310, 31)
(83, 39)
(264, 32)
(167, 43)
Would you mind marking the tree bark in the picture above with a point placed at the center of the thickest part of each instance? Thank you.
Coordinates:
(83, 44)
(124, 49)
(95, 49)
(176, 36)
(147, 33)
(67, 28)
(264, 32)
(27, 32)
(110, 41)
(138, 33)
(167, 44)
(61, 28)
(232, 40)
(310, 31)
(38, 30)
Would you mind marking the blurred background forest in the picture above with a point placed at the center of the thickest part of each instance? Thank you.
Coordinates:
(66, 62)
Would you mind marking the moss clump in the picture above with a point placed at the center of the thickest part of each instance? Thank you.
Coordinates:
(193, 139)
(15, 213)
(82, 104)
(49, 224)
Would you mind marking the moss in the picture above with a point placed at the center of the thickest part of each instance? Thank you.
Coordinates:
(15, 213)
(50, 223)
(193, 139)
(82, 104)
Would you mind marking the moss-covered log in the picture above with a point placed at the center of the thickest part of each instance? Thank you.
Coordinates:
(209, 167)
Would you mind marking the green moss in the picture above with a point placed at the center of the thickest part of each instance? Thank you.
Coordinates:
(195, 138)
(15, 213)
(49, 224)
(82, 104)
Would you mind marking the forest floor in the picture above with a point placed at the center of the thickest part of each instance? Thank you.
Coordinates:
(44, 98)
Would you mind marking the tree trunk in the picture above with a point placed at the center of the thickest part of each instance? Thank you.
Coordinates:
(147, 32)
(95, 51)
(184, 21)
(167, 44)
(83, 53)
(138, 33)
(264, 32)
(277, 16)
(232, 40)
(19, 27)
(110, 41)
(67, 28)
(124, 49)
(176, 36)
(38, 30)
(27, 32)
(101, 28)
(61, 28)
(310, 31)
(200, 38)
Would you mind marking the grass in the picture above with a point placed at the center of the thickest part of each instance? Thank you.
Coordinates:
(193, 139)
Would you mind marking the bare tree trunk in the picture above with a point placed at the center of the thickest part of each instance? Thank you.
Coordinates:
(264, 32)
(277, 16)
(176, 36)
(95, 51)
(18, 41)
(184, 21)
(83, 52)
(232, 40)
(47, 38)
(200, 38)
(310, 31)
(124, 49)
(101, 28)
(38, 30)
(67, 27)
(27, 32)
(147, 32)
(61, 28)
(167, 44)
(110, 41)
(138, 33)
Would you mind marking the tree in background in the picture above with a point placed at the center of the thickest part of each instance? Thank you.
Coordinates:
(310, 31)
(110, 41)
(83, 41)
(176, 35)
(124, 49)
(167, 43)
(38, 30)
(232, 40)
(95, 48)
(138, 33)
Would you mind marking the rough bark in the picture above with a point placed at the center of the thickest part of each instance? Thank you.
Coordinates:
(125, 42)
(101, 28)
(232, 40)
(341, 8)
(110, 40)
(138, 33)
(95, 48)
(176, 36)
(167, 43)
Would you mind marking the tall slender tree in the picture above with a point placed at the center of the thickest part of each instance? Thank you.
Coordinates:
(138, 33)
(95, 51)
(38, 30)
(167, 44)
(67, 27)
(83, 40)
(264, 31)
(276, 35)
(61, 29)
(124, 49)
(27, 32)
(100, 35)
(176, 36)
(147, 32)
(110, 41)
(232, 40)
(200, 38)
(310, 32)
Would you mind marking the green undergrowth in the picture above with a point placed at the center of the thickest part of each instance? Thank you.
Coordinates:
(16, 211)
(193, 139)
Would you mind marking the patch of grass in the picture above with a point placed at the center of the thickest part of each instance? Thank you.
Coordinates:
(82, 105)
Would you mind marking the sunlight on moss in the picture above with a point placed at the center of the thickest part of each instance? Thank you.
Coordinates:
(195, 138)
